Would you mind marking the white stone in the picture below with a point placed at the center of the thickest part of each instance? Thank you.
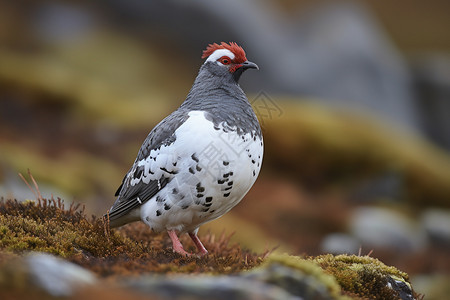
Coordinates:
(57, 276)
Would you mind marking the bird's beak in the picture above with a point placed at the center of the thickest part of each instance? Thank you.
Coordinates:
(249, 65)
(244, 66)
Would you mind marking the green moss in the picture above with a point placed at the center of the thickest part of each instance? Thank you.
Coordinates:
(362, 276)
(47, 227)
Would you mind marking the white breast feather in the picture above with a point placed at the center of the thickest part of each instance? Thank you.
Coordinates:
(213, 148)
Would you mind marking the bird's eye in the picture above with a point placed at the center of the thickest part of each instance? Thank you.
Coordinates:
(225, 60)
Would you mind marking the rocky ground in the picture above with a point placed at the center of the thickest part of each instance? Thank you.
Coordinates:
(50, 252)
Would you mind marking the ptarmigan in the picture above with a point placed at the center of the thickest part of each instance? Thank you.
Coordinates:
(201, 160)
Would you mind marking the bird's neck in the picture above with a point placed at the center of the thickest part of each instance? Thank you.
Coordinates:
(215, 87)
(217, 93)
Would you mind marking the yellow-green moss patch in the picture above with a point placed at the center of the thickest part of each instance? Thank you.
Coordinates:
(362, 276)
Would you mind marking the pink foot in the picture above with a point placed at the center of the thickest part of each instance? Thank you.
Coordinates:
(177, 246)
(202, 250)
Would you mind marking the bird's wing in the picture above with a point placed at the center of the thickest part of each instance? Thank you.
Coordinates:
(153, 168)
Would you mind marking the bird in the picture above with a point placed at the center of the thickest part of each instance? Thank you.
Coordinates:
(201, 160)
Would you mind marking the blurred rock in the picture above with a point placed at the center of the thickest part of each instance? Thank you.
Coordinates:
(340, 243)
(385, 228)
(436, 223)
(344, 56)
(56, 276)
(389, 185)
(202, 287)
(56, 22)
(44, 274)
(13, 187)
(274, 280)
(294, 280)
(432, 81)
(334, 51)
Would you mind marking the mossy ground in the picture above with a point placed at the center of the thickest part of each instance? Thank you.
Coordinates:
(47, 226)
(69, 233)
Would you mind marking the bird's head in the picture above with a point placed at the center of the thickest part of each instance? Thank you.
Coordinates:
(230, 57)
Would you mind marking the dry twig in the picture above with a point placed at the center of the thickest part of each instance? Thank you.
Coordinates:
(35, 190)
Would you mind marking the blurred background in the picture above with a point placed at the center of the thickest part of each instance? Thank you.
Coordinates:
(353, 98)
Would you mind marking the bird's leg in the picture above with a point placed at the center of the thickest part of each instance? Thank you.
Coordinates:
(177, 246)
(202, 250)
